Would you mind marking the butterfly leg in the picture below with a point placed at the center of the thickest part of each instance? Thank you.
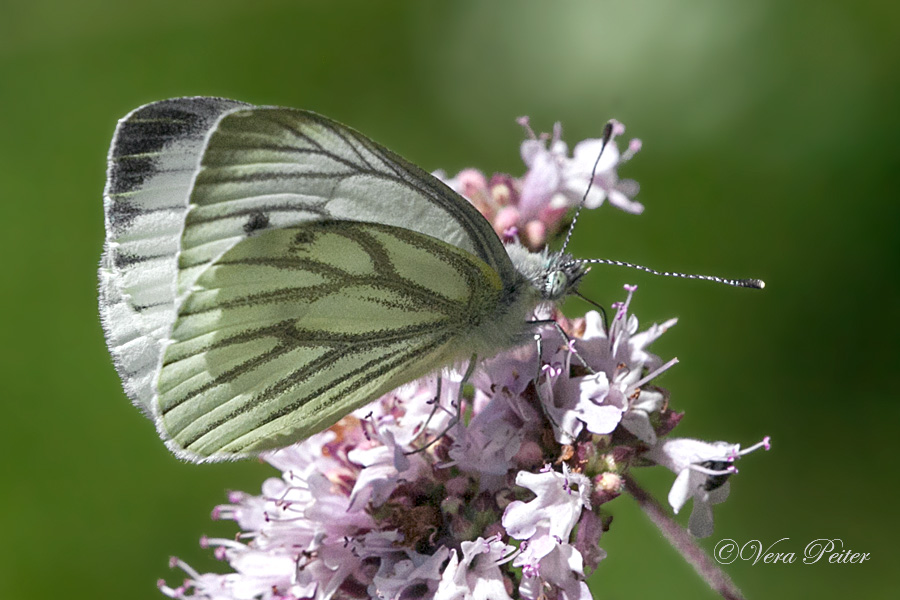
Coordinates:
(565, 336)
(539, 342)
(436, 405)
(548, 369)
(598, 307)
(459, 398)
(462, 384)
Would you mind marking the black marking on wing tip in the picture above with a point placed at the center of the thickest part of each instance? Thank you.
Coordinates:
(258, 220)
(124, 259)
(122, 214)
(151, 129)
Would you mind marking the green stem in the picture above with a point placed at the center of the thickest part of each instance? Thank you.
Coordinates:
(684, 543)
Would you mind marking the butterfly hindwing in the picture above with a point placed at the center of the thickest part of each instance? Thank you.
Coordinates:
(293, 328)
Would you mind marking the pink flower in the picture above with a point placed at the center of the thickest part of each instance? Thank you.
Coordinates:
(556, 181)
(703, 469)
(477, 576)
(614, 393)
(545, 525)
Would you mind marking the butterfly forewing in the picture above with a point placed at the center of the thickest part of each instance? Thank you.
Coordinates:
(292, 328)
(154, 156)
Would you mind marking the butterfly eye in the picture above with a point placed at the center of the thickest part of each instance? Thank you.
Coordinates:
(556, 285)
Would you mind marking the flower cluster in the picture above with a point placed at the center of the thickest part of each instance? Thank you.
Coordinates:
(531, 208)
(493, 488)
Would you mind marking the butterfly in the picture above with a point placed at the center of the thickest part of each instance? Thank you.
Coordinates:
(268, 270)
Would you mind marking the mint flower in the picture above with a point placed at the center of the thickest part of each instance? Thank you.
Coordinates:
(504, 497)
(477, 575)
(555, 180)
(614, 393)
(531, 208)
(702, 470)
(544, 525)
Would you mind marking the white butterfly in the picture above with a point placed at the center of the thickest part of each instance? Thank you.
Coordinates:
(267, 270)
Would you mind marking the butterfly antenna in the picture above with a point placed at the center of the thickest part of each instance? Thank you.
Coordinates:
(744, 283)
(607, 135)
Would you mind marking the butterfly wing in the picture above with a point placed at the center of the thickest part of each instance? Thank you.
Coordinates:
(153, 160)
(190, 178)
(281, 167)
(293, 328)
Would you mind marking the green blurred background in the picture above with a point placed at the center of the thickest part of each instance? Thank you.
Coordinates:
(770, 132)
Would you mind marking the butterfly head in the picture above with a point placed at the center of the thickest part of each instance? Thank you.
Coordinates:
(560, 276)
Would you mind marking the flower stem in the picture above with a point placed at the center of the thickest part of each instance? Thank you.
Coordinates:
(684, 543)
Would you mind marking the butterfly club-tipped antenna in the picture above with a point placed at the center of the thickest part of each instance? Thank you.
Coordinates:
(756, 284)
(608, 131)
(607, 136)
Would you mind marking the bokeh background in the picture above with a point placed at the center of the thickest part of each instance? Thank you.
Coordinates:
(770, 136)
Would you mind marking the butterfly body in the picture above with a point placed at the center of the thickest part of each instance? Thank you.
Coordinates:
(267, 270)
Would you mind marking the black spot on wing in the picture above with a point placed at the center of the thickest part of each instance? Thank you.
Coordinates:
(258, 220)
(304, 236)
